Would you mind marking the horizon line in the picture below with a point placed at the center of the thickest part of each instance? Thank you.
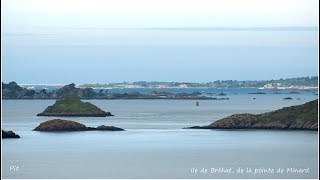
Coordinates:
(232, 29)
(61, 84)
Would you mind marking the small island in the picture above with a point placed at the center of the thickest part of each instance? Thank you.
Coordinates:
(71, 105)
(9, 134)
(259, 92)
(288, 98)
(60, 125)
(301, 117)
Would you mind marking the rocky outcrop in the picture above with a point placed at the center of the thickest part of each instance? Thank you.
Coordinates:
(222, 94)
(9, 134)
(288, 98)
(301, 117)
(72, 89)
(108, 128)
(13, 91)
(57, 125)
(60, 125)
(71, 105)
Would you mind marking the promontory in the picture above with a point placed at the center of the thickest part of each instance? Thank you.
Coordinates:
(71, 105)
(300, 117)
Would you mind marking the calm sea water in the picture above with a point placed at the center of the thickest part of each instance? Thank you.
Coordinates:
(154, 144)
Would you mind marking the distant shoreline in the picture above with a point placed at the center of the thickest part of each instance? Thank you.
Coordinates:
(280, 88)
(289, 83)
(13, 91)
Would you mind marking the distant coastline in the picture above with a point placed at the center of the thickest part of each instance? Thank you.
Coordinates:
(289, 83)
(13, 90)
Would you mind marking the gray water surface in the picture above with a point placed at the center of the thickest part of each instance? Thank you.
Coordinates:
(154, 144)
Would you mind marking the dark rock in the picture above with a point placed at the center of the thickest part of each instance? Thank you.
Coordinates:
(9, 134)
(72, 89)
(57, 125)
(13, 91)
(109, 128)
(60, 125)
(12, 86)
(259, 92)
(301, 117)
(288, 98)
(197, 127)
(196, 93)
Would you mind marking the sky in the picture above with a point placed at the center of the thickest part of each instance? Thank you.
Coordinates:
(85, 41)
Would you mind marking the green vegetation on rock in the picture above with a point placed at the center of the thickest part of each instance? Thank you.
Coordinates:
(71, 105)
(301, 117)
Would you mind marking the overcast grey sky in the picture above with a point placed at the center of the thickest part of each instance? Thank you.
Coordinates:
(55, 41)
